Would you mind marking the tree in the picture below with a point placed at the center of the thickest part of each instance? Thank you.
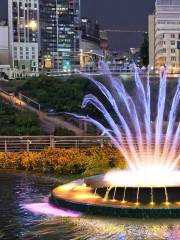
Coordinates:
(144, 51)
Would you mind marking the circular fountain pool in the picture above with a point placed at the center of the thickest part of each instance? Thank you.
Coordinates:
(95, 195)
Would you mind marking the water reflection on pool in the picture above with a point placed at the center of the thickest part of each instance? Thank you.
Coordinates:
(25, 214)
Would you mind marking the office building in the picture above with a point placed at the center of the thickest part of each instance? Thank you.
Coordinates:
(90, 37)
(23, 18)
(165, 44)
(104, 41)
(59, 34)
(151, 34)
(4, 40)
(90, 50)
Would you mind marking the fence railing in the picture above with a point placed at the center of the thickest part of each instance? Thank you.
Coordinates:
(38, 143)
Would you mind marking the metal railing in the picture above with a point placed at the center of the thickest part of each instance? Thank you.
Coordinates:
(38, 143)
(29, 101)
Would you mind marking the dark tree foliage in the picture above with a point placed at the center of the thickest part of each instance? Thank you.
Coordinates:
(144, 51)
(62, 95)
(18, 123)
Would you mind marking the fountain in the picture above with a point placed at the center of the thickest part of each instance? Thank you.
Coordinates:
(150, 187)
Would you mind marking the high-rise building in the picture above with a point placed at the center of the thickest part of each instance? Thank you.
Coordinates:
(4, 47)
(151, 34)
(166, 35)
(104, 40)
(59, 34)
(23, 34)
(90, 50)
(90, 37)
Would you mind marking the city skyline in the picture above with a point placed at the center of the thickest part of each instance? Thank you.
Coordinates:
(114, 16)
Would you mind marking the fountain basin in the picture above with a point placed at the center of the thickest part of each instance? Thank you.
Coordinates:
(94, 196)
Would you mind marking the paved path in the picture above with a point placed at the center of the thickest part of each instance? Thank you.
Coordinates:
(49, 123)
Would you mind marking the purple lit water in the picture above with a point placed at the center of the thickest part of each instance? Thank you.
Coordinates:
(48, 209)
(25, 214)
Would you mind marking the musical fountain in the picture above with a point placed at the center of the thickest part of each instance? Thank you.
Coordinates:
(150, 187)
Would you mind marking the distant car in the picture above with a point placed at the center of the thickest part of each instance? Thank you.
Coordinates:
(52, 110)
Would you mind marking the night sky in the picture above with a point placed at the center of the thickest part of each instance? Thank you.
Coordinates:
(122, 14)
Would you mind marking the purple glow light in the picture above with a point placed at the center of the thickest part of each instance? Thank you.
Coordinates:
(48, 209)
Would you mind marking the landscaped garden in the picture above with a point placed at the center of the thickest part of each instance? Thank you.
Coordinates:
(65, 161)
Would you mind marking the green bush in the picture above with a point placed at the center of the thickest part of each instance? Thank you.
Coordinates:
(63, 132)
(96, 164)
(15, 122)
(63, 95)
(88, 161)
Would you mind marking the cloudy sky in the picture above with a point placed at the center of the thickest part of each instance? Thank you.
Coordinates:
(113, 14)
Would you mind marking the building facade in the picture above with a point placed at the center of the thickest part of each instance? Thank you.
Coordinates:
(90, 37)
(151, 34)
(4, 46)
(59, 34)
(90, 50)
(104, 41)
(23, 21)
(166, 35)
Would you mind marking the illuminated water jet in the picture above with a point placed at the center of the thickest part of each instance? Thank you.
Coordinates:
(150, 150)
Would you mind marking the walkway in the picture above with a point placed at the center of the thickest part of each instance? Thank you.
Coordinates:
(49, 123)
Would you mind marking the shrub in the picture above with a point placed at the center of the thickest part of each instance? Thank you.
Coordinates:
(88, 161)
(15, 122)
(96, 164)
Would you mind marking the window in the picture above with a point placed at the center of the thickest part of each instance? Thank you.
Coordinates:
(172, 42)
(173, 50)
(172, 35)
(14, 4)
(173, 58)
(164, 50)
